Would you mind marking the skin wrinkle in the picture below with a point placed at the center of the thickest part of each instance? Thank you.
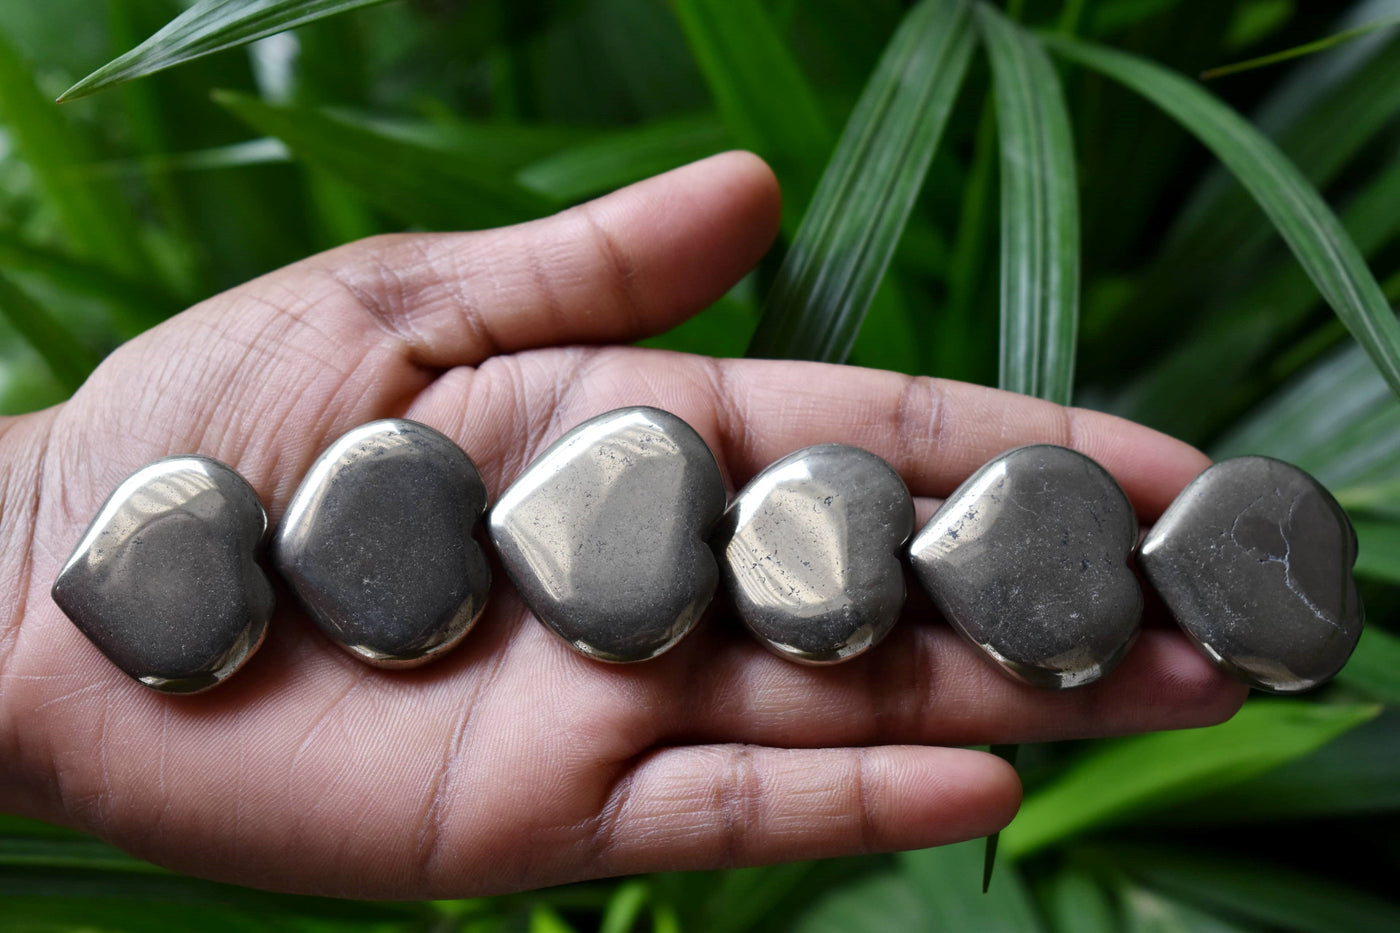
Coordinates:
(89, 811)
(442, 790)
(19, 511)
(920, 393)
(893, 712)
(601, 832)
(544, 288)
(731, 434)
(320, 723)
(480, 335)
(867, 833)
(737, 802)
(368, 265)
(625, 274)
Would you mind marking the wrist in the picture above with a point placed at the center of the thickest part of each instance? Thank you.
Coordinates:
(22, 443)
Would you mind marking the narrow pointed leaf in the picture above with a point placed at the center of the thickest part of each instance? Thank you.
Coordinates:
(207, 27)
(1131, 776)
(1299, 213)
(1039, 214)
(760, 91)
(1298, 51)
(1008, 754)
(849, 233)
(432, 185)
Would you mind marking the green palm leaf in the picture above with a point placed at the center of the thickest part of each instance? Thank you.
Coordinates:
(1131, 776)
(844, 245)
(207, 27)
(1039, 214)
(425, 181)
(1299, 213)
(760, 91)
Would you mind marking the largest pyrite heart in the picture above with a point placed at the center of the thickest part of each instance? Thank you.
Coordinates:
(1029, 560)
(377, 543)
(604, 534)
(809, 552)
(1254, 560)
(165, 580)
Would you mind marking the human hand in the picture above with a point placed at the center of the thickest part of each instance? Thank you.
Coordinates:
(513, 762)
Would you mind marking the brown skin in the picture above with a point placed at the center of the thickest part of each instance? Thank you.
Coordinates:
(514, 762)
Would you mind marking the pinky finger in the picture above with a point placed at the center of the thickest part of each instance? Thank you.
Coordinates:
(714, 806)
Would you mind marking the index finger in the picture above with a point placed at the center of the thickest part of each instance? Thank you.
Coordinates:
(934, 432)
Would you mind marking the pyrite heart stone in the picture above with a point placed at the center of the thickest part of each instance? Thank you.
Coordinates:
(378, 543)
(165, 581)
(604, 534)
(809, 552)
(1029, 560)
(1254, 559)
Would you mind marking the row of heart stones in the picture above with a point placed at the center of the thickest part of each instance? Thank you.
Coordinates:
(616, 537)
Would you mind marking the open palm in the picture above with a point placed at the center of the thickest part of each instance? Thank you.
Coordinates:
(514, 762)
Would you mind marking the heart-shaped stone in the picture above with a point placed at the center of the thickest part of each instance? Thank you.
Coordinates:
(1254, 559)
(604, 534)
(810, 552)
(1029, 560)
(165, 582)
(378, 544)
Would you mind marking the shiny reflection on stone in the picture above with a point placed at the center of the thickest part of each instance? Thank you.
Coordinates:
(1028, 559)
(165, 581)
(604, 534)
(809, 552)
(1254, 559)
(378, 544)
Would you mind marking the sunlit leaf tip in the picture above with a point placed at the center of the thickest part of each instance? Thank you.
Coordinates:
(207, 27)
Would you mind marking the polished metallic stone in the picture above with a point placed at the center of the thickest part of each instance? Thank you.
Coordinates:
(165, 581)
(1029, 560)
(1254, 560)
(378, 543)
(810, 553)
(604, 534)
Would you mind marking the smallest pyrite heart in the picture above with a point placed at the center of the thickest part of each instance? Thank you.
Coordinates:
(1254, 560)
(165, 581)
(604, 535)
(810, 553)
(378, 543)
(1029, 559)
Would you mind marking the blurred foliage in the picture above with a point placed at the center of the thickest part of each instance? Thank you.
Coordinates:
(1196, 317)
